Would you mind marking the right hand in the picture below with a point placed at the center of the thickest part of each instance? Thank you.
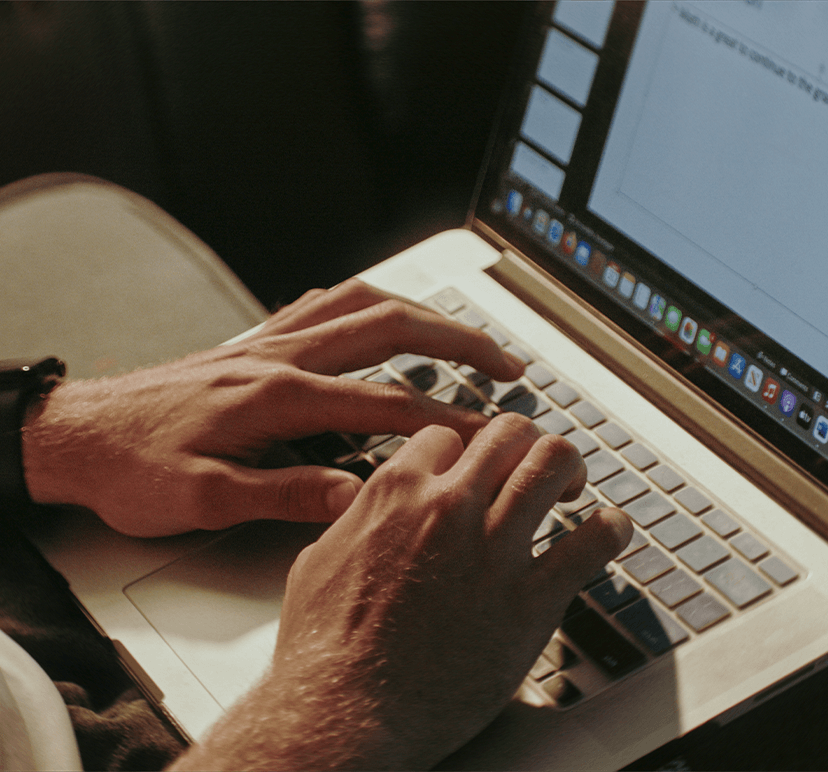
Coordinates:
(410, 624)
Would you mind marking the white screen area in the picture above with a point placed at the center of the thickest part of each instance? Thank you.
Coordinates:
(717, 158)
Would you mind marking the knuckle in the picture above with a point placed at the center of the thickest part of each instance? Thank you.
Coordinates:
(560, 451)
(516, 423)
(394, 313)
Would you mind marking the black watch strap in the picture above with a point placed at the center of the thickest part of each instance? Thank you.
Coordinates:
(20, 382)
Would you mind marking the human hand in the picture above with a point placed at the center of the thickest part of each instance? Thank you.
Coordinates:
(176, 447)
(412, 621)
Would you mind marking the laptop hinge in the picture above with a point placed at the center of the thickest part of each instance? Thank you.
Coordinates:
(674, 395)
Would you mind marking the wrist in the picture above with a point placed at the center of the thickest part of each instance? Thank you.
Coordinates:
(22, 384)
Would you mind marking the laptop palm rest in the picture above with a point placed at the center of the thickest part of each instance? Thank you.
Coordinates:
(218, 607)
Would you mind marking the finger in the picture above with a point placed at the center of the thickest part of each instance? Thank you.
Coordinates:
(552, 470)
(226, 494)
(310, 404)
(377, 333)
(495, 452)
(319, 305)
(570, 563)
(433, 450)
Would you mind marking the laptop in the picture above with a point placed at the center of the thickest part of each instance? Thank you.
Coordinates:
(646, 234)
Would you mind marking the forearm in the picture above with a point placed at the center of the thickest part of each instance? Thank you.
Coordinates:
(317, 721)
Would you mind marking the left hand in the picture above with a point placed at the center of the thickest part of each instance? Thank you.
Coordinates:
(176, 447)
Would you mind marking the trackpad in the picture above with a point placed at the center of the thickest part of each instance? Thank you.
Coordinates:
(218, 607)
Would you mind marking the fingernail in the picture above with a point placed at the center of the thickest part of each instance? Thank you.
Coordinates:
(340, 497)
(516, 361)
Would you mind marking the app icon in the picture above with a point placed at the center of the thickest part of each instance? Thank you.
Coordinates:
(771, 391)
(641, 296)
(657, 306)
(527, 213)
(805, 416)
(612, 273)
(555, 233)
(626, 285)
(753, 379)
(821, 429)
(673, 318)
(599, 262)
(817, 395)
(787, 402)
(541, 222)
(720, 354)
(704, 342)
(582, 253)
(737, 366)
(569, 243)
(688, 330)
(514, 202)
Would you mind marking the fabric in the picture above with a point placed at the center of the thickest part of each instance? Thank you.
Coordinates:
(115, 726)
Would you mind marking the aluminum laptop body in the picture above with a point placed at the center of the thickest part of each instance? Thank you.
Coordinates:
(647, 232)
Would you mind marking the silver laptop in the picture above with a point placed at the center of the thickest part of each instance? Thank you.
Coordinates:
(647, 235)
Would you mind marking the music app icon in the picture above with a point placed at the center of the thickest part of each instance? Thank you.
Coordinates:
(771, 391)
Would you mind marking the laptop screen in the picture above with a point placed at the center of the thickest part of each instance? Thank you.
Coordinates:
(668, 161)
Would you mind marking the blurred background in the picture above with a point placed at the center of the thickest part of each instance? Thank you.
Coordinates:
(302, 141)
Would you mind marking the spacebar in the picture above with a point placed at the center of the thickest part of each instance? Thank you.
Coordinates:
(613, 653)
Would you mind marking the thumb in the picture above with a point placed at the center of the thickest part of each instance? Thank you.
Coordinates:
(573, 561)
(311, 494)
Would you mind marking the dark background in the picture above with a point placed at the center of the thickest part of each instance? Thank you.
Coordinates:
(301, 140)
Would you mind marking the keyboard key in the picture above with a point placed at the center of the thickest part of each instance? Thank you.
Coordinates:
(601, 465)
(586, 498)
(747, 545)
(613, 435)
(588, 414)
(585, 443)
(614, 593)
(528, 404)
(497, 335)
(665, 478)
(545, 544)
(623, 488)
(471, 318)
(371, 442)
(702, 611)
(610, 650)
(561, 690)
(408, 363)
(550, 525)
(674, 588)
(559, 654)
(358, 465)
(502, 391)
(675, 531)
(542, 668)
(703, 553)
(523, 355)
(648, 564)
(639, 456)
(722, 523)
(740, 584)
(387, 449)
(459, 394)
(450, 301)
(778, 570)
(637, 541)
(431, 379)
(652, 626)
(649, 509)
(562, 394)
(383, 376)
(554, 423)
(540, 375)
(693, 500)
(475, 376)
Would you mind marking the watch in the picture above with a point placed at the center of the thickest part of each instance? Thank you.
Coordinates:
(20, 382)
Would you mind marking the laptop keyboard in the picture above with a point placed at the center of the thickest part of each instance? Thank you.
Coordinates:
(691, 564)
